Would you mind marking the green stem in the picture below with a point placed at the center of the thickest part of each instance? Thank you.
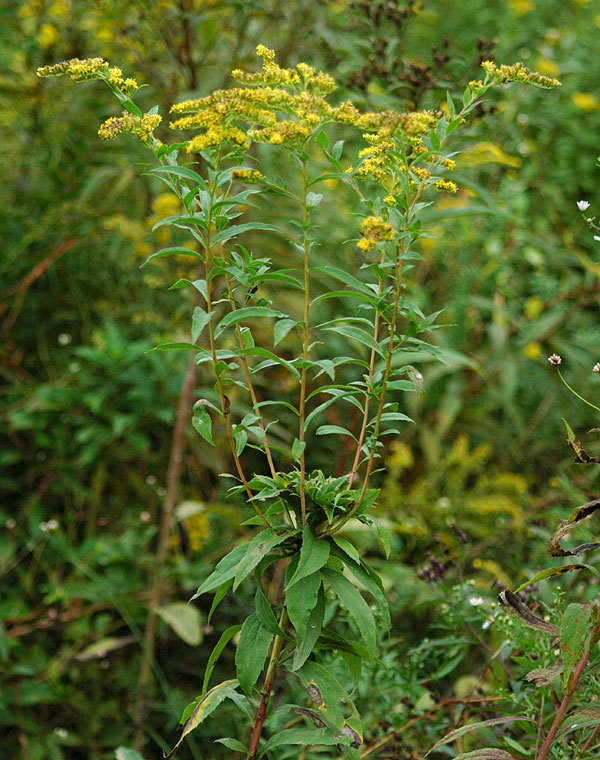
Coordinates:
(225, 405)
(585, 401)
(305, 343)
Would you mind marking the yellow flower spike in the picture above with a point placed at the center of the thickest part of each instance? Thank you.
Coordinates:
(518, 72)
(374, 230)
(446, 187)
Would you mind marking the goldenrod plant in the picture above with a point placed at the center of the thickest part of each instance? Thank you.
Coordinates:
(315, 595)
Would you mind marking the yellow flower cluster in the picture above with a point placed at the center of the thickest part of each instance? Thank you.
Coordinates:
(141, 127)
(247, 175)
(125, 86)
(296, 94)
(421, 173)
(374, 230)
(518, 72)
(90, 68)
(78, 70)
(445, 186)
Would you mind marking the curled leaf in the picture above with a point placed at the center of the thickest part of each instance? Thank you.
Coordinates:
(205, 706)
(581, 455)
(512, 602)
(544, 676)
(578, 514)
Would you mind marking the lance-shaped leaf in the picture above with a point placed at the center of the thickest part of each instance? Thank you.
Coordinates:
(512, 603)
(265, 614)
(358, 609)
(458, 732)
(173, 251)
(587, 716)
(224, 639)
(573, 634)
(306, 736)
(485, 754)
(204, 708)
(326, 693)
(313, 556)
(224, 571)
(550, 572)
(247, 312)
(581, 455)
(238, 229)
(260, 545)
(301, 600)
(251, 652)
(576, 516)
(305, 643)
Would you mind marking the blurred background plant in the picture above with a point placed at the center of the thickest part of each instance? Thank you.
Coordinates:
(88, 415)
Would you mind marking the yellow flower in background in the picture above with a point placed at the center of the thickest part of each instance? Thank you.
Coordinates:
(47, 36)
(534, 307)
(533, 351)
(60, 8)
(547, 66)
(488, 153)
(585, 101)
(521, 7)
(165, 204)
(597, 20)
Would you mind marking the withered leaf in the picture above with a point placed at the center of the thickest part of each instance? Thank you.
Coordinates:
(544, 676)
(514, 604)
(578, 514)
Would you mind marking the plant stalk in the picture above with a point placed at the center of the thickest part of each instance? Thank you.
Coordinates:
(564, 705)
(261, 713)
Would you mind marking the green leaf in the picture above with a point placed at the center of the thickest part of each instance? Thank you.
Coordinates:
(458, 732)
(184, 619)
(347, 547)
(200, 319)
(272, 359)
(345, 277)
(301, 598)
(251, 652)
(173, 251)
(359, 610)
(265, 614)
(202, 423)
(240, 229)
(573, 635)
(297, 449)
(218, 597)
(305, 643)
(357, 334)
(233, 744)
(326, 692)
(551, 572)
(282, 328)
(204, 708)
(179, 171)
(369, 579)
(336, 151)
(260, 545)
(485, 754)
(314, 554)
(224, 639)
(224, 571)
(247, 312)
(306, 736)
(333, 430)
(174, 347)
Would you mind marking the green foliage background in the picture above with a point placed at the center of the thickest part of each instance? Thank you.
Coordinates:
(87, 414)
